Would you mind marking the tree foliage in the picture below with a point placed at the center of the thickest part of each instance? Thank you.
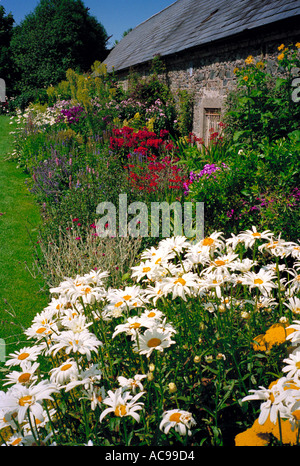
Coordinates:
(57, 35)
(6, 28)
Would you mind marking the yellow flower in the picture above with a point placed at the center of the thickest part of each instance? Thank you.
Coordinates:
(245, 78)
(280, 57)
(260, 65)
(251, 438)
(298, 45)
(249, 60)
(235, 70)
(281, 47)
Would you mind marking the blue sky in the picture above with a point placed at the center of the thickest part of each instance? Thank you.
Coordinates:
(116, 16)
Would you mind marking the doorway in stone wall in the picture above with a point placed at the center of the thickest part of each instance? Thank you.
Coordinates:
(212, 118)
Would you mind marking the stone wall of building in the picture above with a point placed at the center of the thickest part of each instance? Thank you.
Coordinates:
(207, 73)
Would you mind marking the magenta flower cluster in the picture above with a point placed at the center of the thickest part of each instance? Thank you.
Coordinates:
(206, 172)
(72, 114)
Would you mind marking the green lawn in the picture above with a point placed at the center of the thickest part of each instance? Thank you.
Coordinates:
(19, 292)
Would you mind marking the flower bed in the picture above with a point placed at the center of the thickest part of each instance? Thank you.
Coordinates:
(170, 357)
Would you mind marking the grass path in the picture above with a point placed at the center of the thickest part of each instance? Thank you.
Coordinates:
(19, 291)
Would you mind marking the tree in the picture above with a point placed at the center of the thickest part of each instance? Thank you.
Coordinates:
(57, 35)
(6, 28)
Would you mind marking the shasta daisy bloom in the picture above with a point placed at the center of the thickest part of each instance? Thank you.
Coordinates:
(95, 395)
(222, 263)
(174, 244)
(132, 326)
(62, 374)
(21, 357)
(122, 404)
(263, 280)
(86, 292)
(132, 383)
(152, 339)
(157, 255)
(26, 376)
(181, 421)
(293, 304)
(277, 247)
(181, 285)
(214, 242)
(154, 292)
(213, 281)
(154, 315)
(67, 285)
(95, 277)
(87, 378)
(21, 398)
(82, 343)
(249, 237)
(294, 283)
(293, 365)
(197, 254)
(148, 269)
(272, 399)
(124, 298)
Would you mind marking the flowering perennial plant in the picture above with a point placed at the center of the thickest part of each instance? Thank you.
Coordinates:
(103, 367)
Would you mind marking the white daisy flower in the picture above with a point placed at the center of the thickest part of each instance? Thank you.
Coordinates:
(62, 374)
(181, 421)
(82, 343)
(293, 365)
(174, 244)
(132, 326)
(132, 383)
(263, 280)
(26, 376)
(152, 339)
(293, 304)
(21, 398)
(122, 404)
(181, 285)
(24, 355)
(249, 237)
(272, 400)
(87, 378)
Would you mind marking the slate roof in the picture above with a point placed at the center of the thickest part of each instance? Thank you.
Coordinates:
(189, 23)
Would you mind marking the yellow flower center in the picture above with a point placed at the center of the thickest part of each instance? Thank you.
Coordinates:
(146, 269)
(41, 330)
(153, 342)
(208, 241)
(180, 280)
(24, 377)
(25, 400)
(175, 417)
(65, 367)
(298, 365)
(258, 281)
(219, 262)
(16, 441)
(256, 235)
(119, 304)
(152, 314)
(120, 410)
(127, 297)
(134, 325)
(23, 356)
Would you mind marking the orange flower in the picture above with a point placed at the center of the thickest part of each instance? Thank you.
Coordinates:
(251, 438)
(280, 57)
(281, 47)
(249, 60)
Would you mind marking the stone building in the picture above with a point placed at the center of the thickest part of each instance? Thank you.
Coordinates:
(202, 41)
